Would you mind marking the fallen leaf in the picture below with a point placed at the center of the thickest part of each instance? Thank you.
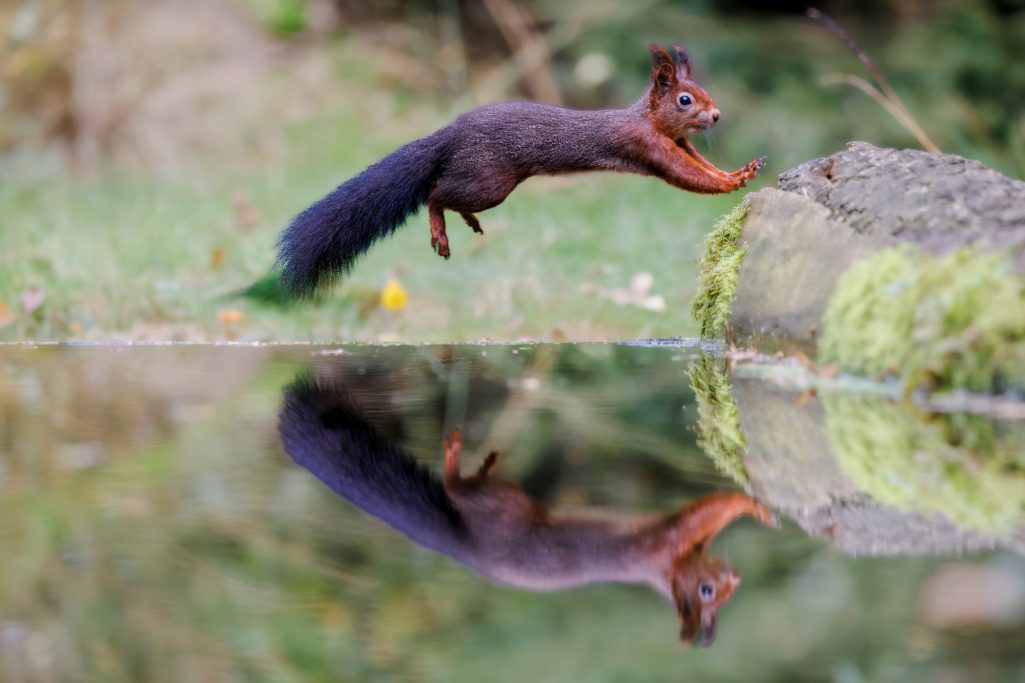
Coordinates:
(654, 303)
(620, 297)
(246, 214)
(641, 284)
(32, 298)
(6, 317)
(229, 317)
(217, 258)
(805, 396)
(831, 371)
(393, 296)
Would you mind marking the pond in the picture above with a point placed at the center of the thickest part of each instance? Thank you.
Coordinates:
(278, 513)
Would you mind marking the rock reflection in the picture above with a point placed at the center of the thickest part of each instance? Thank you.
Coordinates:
(876, 475)
(493, 526)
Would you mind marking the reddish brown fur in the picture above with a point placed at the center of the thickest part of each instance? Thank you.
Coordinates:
(494, 527)
(520, 542)
(497, 147)
(475, 162)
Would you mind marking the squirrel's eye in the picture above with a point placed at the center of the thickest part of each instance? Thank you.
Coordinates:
(684, 99)
(706, 591)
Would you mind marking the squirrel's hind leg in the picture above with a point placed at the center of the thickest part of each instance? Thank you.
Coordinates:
(453, 445)
(489, 464)
(472, 221)
(439, 240)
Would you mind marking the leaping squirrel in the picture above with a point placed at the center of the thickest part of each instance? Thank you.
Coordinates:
(475, 162)
(494, 527)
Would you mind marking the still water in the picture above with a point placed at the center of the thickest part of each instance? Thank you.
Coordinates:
(290, 513)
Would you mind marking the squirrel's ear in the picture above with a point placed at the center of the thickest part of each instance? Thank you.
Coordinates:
(710, 630)
(683, 63)
(690, 619)
(663, 71)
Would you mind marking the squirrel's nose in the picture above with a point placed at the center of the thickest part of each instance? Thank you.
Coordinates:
(715, 115)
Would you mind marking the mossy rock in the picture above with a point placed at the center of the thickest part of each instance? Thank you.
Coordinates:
(876, 476)
(950, 321)
(718, 424)
(895, 260)
(717, 275)
(968, 469)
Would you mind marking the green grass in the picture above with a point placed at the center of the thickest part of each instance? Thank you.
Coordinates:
(131, 256)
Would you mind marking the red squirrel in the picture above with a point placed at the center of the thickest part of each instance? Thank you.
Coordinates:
(475, 162)
(494, 527)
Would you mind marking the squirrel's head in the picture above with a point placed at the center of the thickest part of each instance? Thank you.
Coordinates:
(678, 105)
(700, 586)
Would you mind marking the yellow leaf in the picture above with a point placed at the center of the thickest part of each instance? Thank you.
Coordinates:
(228, 318)
(393, 296)
(229, 315)
(217, 258)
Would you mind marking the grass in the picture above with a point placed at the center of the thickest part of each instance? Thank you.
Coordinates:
(157, 255)
(139, 257)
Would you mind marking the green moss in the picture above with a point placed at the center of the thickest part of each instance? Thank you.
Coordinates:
(963, 467)
(718, 423)
(957, 321)
(717, 279)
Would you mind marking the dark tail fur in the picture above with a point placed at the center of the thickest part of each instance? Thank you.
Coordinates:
(326, 239)
(322, 431)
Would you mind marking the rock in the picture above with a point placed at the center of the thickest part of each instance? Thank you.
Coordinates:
(875, 259)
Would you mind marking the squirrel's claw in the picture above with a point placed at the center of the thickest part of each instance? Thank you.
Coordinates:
(750, 172)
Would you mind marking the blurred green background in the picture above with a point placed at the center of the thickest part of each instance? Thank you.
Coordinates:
(151, 151)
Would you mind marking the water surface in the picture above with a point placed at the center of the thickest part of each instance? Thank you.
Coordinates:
(153, 528)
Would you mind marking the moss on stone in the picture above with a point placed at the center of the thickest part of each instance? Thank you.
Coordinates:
(717, 279)
(718, 423)
(956, 321)
(967, 468)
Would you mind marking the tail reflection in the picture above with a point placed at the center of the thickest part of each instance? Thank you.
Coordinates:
(497, 529)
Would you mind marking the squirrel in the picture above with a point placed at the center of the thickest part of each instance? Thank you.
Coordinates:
(475, 162)
(494, 527)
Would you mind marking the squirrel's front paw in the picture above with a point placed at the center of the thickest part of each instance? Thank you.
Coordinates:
(750, 172)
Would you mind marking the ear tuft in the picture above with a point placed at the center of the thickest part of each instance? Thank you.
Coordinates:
(690, 619)
(710, 631)
(684, 66)
(659, 55)
(663, 70)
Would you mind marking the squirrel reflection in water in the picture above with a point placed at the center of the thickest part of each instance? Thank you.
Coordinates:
(493, 526)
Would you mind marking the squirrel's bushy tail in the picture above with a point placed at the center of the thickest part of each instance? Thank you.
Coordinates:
(327, 238)
(323, 432)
